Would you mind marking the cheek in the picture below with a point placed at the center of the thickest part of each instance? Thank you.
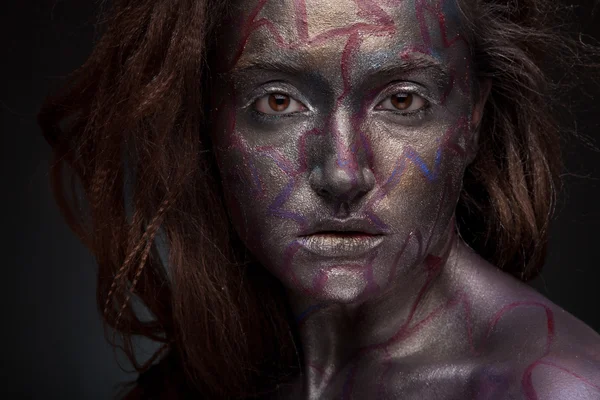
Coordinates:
(234, 155)
(419, 173)
(239, 179)
(253, 181)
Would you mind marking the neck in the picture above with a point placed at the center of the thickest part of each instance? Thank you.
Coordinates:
(332, 335)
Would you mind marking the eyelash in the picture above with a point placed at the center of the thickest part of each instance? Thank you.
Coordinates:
(410, 88)
(419, 113)
(264, 92)
(407, 114)
(263, 117)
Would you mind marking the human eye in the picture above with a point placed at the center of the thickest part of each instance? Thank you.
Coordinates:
(278, 104)
(404, 102)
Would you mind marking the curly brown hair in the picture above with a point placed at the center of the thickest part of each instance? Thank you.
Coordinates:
(134, 173)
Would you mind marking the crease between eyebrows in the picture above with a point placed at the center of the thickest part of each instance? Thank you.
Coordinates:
(400, 66)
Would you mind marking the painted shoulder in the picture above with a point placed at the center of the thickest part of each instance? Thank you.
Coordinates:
(550, 353)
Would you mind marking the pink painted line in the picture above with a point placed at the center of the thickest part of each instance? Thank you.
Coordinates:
(515, 305)
(399, 254)
(359, 27)
(301, 20)
(573, 374)
(352, 45)
(368, 8)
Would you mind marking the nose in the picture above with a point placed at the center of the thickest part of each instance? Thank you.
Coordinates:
(342, 177)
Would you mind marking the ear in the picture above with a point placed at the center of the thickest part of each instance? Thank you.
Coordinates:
(485, 86)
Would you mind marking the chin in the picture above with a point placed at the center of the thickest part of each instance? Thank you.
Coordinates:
(339, 283)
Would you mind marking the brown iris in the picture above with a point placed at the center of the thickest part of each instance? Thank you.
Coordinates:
(402, 101)
(279, 102)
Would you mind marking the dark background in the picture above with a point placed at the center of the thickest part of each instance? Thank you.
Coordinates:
(53, 344)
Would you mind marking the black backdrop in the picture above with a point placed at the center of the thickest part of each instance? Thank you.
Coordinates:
(53, 344)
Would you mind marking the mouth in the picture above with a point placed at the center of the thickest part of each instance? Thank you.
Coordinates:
(342, 239)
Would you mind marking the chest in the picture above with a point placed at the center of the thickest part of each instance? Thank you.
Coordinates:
(431, 382)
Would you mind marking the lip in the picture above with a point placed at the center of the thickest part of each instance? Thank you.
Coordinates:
(357, 225)
(337, 238)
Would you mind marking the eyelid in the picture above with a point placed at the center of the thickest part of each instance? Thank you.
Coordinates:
(260, 107)
(406, 87)
(276, 87)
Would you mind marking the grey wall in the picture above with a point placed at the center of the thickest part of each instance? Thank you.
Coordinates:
(52, 339)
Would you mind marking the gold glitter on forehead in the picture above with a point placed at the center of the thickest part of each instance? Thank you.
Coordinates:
(322, 16)
(311, 21)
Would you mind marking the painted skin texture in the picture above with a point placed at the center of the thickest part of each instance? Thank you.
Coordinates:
(342, 131)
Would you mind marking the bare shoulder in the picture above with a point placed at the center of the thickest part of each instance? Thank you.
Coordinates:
(550, 353)
(555, 378)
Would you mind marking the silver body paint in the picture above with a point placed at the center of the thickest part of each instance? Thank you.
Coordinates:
(350, 204)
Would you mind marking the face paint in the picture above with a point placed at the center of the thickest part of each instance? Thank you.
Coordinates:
(343, 130)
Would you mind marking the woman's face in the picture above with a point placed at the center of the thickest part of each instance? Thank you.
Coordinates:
(342, 130)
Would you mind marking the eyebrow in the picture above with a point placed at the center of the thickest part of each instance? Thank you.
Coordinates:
(402, 65)
(288, 67)
(414, 62)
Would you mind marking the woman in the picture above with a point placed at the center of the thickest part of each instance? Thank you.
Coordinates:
(309, 197)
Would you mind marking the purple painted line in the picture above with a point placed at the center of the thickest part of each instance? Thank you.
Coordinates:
(257, 188)
(275, 208)
(349, 383)
(430, 174)
(396, 174)
(279, 160)
(377, 221)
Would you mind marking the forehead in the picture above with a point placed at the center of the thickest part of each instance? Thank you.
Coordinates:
(315, 28)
